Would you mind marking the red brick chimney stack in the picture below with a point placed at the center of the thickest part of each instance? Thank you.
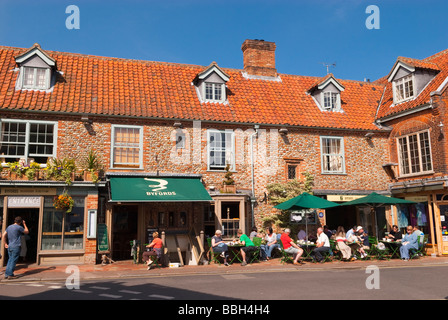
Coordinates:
(259, 58)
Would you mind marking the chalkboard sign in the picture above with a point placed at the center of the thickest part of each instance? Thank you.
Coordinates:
(103, 240)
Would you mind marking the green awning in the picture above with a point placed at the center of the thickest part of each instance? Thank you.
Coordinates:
(157, 189)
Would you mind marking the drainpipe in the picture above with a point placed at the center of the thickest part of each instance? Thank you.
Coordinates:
(253, 199)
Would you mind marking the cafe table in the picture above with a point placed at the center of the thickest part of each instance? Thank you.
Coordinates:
(235, 252)
(393, 247)
(307, 250)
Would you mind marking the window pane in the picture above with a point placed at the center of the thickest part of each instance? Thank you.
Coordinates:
(126, 147)
(52, 229)
(40, 78)
(414, 154)
(403, 148)
(425, 151)
(209, 91)
(332, 155)
(292, 171)
(28, 77)
(217, 91)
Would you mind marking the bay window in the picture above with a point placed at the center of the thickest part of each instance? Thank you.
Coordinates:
(414, 152)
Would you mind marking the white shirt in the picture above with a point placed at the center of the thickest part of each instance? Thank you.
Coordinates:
(323, 238)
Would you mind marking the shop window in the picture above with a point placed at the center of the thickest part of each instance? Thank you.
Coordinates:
(61, 230)
(415, 153)
(27, 139)
(127, 147)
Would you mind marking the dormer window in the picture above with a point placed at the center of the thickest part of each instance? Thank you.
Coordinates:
(35, 78)
(404, 88)
(331, 100)
(214, 92)
(211, 84)
(35, 69)
(326, 92)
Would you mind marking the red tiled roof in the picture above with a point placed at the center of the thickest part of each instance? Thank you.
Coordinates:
(438, 62)
(122, 87)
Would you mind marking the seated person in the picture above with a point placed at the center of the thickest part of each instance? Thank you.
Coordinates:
(254, 233)
(290, 247)
(220, 246)
(322, 245)
(409, 242)
(271, 243)
(301, 235)
(394, 234)
(248, 246)
(157, 245)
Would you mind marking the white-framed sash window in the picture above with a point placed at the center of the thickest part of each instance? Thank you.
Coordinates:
(127, 146)
(332, 152)
(403, 89)
(220, 149)
(28, 139)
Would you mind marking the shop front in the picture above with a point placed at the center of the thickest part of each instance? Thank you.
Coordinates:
(430, 213)
(55, 236)
(172, 205)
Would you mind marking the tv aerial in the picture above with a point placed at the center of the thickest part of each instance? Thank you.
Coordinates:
(328, 65)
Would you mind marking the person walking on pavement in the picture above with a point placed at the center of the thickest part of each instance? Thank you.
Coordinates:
(13, 242)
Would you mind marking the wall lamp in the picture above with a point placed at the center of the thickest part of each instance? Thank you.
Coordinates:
(283, 131)
(369, 135)
(86, 120)
(177, 125)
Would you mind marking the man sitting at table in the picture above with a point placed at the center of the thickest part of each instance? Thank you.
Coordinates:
(248, 246)
(394, 234)
(409, 242)
(322, 245)
(290, 247)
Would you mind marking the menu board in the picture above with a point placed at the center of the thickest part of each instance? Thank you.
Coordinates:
(103, 240)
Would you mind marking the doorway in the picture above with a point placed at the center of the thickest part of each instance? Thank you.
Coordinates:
(124, 230)
(28, 253)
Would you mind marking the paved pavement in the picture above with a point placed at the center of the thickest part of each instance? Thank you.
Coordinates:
(127, 269)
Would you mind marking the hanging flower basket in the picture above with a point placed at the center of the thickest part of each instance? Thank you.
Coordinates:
(64, 202)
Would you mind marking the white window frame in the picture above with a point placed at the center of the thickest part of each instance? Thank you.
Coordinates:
(402, 82)
(409, 154)
(230, 150)
(140, 147)
(34, 86)
(214, 86)
(27, 142)
(333, 106)
(341, 154)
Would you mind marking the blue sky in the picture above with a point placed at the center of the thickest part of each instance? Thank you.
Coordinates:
(308, 33)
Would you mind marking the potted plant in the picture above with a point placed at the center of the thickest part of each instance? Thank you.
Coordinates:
(64, 202)
(228, 183)
(92, 167)
(61, 170)
(32, 171)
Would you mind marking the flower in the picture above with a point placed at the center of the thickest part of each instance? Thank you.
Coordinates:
(64, 202)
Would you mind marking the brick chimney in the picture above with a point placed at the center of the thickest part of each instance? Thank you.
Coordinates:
(259, 58)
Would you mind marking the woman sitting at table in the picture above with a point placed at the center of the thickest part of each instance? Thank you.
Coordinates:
(409, 242)
(271, 243)
(342, 246)
(394, 234)
(220, 246)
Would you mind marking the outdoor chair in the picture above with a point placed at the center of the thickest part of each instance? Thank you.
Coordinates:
(286, 257)
(256, 255)
(213, 256)
(421, 251)
(337, 255)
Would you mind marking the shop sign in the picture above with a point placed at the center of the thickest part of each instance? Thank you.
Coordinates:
(28, 191)
(343, 198)
(417, 198)
(24, 202)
